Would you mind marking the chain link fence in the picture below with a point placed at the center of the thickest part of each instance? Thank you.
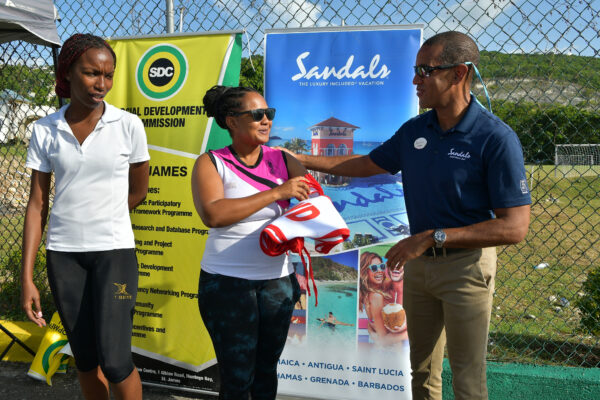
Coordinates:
(540, 62)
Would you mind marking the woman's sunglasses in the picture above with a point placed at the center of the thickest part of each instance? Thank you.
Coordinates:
(257, 114)
(376, 267)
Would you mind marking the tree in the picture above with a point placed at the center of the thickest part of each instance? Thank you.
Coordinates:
(34, 84)
(251, 73)
(296, 145)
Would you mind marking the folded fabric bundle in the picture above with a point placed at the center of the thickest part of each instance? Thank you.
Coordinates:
(315, 218)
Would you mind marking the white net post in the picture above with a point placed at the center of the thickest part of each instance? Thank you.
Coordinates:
(577, 159)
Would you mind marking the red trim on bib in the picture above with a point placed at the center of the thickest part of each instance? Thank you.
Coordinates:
(315, 218)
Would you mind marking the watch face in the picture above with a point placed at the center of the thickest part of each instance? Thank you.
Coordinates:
(439, 236)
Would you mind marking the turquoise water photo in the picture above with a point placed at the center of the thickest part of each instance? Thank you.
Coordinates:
(340, 299)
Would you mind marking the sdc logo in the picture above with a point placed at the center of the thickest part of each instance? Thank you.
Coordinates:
(161, 72)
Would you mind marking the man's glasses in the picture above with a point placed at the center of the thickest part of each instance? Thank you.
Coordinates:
(423, 71)
(377, 267)
(257, 114)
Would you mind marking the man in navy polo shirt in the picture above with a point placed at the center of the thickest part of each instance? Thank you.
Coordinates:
(465, 192)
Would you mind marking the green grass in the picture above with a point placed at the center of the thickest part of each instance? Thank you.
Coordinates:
(527, 326)
(12, 149)
(11, 233)
(12, 155)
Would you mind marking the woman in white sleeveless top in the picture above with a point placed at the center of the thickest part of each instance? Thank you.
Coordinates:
(246, 298)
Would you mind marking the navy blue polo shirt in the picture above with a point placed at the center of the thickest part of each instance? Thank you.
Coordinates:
(455, 178)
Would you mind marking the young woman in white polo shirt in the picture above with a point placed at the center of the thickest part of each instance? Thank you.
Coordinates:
(99, 156)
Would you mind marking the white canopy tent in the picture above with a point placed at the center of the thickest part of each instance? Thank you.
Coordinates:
(31, 21)
(28, 20)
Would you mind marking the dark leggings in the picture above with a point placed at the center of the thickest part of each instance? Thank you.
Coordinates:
(248, 321)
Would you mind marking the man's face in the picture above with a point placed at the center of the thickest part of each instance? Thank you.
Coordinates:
(433, 91)
(396, 275)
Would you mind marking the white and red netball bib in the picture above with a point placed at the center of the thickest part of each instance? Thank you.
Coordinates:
(315, 218)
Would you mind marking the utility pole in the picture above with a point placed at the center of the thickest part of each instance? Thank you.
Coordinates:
(169, 13)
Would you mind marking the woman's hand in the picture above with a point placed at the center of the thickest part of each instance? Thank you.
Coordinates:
(397, 329)
(30, 300)
(372, 331)
(295, 187)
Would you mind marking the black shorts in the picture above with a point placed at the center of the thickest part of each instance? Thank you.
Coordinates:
(95, 293)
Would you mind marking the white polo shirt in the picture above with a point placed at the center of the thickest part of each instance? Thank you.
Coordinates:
(90, 210)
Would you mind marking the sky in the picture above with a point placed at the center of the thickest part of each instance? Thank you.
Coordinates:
(511, 26)
(348, 258)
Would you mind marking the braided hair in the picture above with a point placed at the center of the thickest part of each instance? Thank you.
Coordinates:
(221, 101)
(71, 50)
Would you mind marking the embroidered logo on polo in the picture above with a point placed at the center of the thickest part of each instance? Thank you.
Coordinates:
(459, 155)
(121, 293)
(161, 72)
(524, 188)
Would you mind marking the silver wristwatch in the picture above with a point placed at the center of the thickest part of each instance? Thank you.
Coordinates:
(439, 237)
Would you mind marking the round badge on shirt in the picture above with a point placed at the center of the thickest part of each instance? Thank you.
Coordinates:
(420, 143)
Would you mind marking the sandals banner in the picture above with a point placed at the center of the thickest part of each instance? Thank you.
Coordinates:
(342, 91)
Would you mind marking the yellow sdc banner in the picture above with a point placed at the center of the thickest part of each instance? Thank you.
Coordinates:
(163, 80)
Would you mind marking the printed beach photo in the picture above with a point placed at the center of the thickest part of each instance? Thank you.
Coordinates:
(381, 315)
(333, 320)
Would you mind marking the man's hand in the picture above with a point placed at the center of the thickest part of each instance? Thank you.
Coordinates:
(408, 249)
(285, 150)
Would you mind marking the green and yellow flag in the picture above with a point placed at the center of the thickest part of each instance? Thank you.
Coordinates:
(53, 354)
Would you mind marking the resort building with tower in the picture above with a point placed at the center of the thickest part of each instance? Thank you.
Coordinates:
(332, 137)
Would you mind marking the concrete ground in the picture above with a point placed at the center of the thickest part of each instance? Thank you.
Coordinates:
(506, 381)
(15, 384)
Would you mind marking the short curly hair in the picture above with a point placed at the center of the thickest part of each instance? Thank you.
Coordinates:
(456, 47)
